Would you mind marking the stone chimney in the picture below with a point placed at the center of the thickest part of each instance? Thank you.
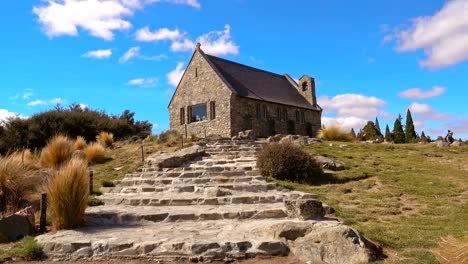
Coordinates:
(307, 89)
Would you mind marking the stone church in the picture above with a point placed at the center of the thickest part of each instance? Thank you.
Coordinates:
(221, 97)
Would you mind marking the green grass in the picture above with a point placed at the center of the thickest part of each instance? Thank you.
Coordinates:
(27, 249)
(405, 197)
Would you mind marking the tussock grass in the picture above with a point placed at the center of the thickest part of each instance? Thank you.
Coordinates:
(67, 195)
(105, 138)
(80, 143)
(335, 133)
(95, 153)
(57, 152)
(169, 138)
(16, 183)
(29, 249)
(26, 158)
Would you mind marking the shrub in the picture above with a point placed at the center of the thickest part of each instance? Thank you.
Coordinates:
(95, 153)
(169, 138)
(29, 249)
(335, 133)
(16, 183)
(107, 183)
(105, 138)
(287, 161)
(57, 152)
(67, 195)
(80, 143)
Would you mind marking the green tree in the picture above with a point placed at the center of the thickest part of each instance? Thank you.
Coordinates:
(370, 132)
(387, 134)
(353, 134)
(399, 134)
(377, 126)
(423, 137)
(410, 133)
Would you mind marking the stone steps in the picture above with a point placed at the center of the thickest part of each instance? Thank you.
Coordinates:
(137, 215)
(133, 181)
(193, 173)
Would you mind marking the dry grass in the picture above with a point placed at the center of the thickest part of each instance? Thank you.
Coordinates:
(16, 183)
(67, 195)
(335, 133)
(95, 153)
(26, 158)
(169, 138)
(80, 143)
(451, 250)
(58, 151)
(105, 138)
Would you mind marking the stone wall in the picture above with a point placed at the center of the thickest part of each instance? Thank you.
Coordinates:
(201, 85)
(244, 116)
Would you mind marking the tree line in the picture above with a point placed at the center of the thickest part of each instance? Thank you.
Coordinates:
(34, 132)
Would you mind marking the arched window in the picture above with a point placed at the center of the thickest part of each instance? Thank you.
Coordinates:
(305, 86)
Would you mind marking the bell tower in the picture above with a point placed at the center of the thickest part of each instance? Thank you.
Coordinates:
(307, 89)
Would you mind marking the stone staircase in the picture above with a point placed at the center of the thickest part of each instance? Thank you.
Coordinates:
(217, 207)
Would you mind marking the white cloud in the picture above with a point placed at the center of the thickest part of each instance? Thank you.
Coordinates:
(5, 114)
(37, 102)
(443, 36)
(144, 82)
(145, 34)
(98, 54)
(425, 112)
(57, 100)
(99, 17)
(417, 93)
(27, 94)
(345, 122)
(174, 76)
(213, 42)
(83, 106)
(346, 105)
(131, 53)
(134, 52)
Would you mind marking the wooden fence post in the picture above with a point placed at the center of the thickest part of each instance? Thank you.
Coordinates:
(43, 218)
(142, 153)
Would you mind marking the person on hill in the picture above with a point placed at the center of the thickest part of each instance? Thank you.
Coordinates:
(449, 137)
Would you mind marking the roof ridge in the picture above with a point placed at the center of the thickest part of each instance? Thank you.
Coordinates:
(244, 65)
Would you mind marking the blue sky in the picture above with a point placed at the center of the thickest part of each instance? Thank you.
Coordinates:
(370, 58)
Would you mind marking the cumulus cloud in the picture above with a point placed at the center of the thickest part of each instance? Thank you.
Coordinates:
(443, 36)
(83, 106)
(98, 54)
(424, 112)
(145, 34)
(98, 17)
(213, 42)
(37, 102)
(174, 76)
(351, 110)
(5, 114)
(143, 82)
(417, 93)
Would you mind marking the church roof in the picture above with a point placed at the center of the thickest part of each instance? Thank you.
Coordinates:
(258, 84)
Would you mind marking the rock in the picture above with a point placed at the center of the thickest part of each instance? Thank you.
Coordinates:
(177, 158)
(275, 138)
(332, 244)
(441, 143)
(456, 144)
(329, 164)
(301, 140)
(215, 192)
(314, 141)
(304, 209)
(247, 134)
(235, 138)
(288, 139)
(15, 227)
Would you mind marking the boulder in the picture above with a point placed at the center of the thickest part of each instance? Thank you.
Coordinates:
(456, 144)
(329, 164)
(15, 227)
(314, 141)
(275, 138)
(288, 139)
(247, 134)
(304, 209)
(441, 143)
(177, 158)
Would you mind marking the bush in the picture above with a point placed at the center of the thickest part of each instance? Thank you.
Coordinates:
(80, 143)
(287, 161)
(29, 249)
(105, 138)
(58, 151)
(107, 183)
(95, 153)
(169, 138)
(67, 194)
(16, 183)
(335, 133)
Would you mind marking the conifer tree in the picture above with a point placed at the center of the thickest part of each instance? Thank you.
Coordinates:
(353, 134)
(410, 133)
(399, 134)
(370, 132)
(387, 134)
(423, 137)
(377, 126)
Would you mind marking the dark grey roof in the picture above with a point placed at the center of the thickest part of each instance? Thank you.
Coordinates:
(258, 84)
